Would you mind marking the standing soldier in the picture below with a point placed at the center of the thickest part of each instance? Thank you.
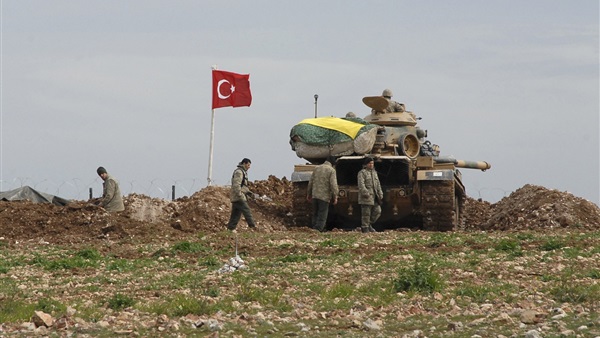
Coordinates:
(238, 196)
(370, 195)
(322, 188)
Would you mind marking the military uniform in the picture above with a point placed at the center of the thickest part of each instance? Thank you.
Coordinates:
(322, 188)
(112, 200)
(239, 202)
(370, 196)
(393, 106)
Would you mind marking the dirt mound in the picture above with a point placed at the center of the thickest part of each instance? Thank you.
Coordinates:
(149, 219)
(145, 219)
(537, 207)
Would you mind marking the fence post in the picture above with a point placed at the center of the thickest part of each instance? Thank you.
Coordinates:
(173, 192)
(91, 193)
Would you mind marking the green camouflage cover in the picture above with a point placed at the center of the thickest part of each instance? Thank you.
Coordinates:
(314, 135)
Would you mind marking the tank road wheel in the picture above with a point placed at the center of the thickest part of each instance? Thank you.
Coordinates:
(439, 206)
(301, 208)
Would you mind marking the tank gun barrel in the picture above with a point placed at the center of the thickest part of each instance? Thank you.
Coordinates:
(483, 165)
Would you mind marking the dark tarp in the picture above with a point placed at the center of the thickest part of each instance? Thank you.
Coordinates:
(30, 194)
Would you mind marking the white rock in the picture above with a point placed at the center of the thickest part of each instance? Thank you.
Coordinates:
(533, 334)
(371, 325)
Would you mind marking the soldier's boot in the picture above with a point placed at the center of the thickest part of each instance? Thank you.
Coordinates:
(364, 229)
(371, 229)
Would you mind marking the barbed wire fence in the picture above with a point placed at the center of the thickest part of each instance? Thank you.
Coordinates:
(491, 194)
(78, 189)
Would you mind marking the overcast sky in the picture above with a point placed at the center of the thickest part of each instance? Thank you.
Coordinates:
(127, 85)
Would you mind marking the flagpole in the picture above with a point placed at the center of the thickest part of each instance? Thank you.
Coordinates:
(212, 139)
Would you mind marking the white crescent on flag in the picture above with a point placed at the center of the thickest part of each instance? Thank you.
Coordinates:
(221, 96)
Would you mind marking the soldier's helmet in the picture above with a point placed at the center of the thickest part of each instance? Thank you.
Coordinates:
(387, 93)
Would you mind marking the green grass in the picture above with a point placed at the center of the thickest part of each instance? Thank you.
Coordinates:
(421, 277)
(120, 301)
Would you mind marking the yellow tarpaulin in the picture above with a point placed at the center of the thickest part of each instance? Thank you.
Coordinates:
(335, 123)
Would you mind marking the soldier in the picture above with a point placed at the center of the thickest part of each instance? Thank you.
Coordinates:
(393, 106)
(370, 195)
(239, 194)
(111, 200)
(322, 188)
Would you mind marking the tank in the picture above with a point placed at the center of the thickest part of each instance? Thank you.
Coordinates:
(421, 188)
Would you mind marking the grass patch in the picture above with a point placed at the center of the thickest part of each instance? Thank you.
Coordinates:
(189, 247)
(419, 278)
(180, 305)
(120, 301)
(551, 244)
(293, 258)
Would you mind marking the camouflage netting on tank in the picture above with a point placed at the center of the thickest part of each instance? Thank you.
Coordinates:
(310, 141)
(315, 135)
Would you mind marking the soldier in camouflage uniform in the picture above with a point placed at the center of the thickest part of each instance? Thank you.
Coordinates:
(322, 189)
(370, 195)
(393, 106)
(238, 196)
(111, 200)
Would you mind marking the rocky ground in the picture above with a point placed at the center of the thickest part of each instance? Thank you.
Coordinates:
(149, 220)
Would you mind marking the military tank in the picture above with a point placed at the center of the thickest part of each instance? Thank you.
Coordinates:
(421, 188)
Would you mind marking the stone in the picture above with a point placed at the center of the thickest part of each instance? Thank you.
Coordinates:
(42, 319)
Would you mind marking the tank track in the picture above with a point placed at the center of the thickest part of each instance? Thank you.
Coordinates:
(301, 208)
(441, 208)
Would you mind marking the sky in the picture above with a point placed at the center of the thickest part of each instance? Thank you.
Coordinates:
(127, 85)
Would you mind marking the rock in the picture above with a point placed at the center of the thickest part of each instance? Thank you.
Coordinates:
(528, 317)
(533, 334)
(42, 319)
(70, 311)
(370, 324)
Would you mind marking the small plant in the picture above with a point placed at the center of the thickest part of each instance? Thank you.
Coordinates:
(159, 253)
(507, 245)
(212, 292)
(120, 301)
(210, 261)
(574, 293)
(510, 246)
(568, 292)
(189, 247)
(294, 258)
(50, 306)
(551, 244)
(91, 254)
(594, 274)
(248, 294)
(340, 290)
(119, 265)
(418, 278)
(181, 305)
(478, 293)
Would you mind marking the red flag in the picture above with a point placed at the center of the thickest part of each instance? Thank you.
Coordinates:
(230, 89)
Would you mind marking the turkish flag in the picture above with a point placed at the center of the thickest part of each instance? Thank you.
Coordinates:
(230, 89)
